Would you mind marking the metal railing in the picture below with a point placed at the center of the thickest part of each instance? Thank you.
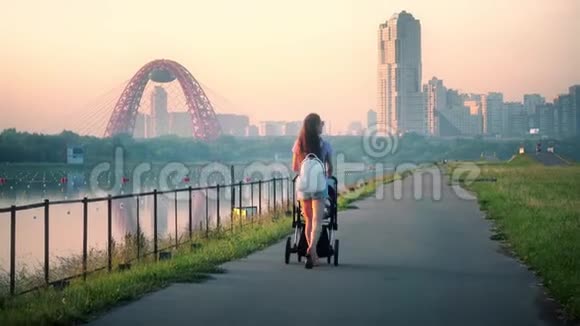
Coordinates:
(274, 200)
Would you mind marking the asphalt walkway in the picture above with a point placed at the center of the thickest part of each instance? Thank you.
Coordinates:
(403, 261)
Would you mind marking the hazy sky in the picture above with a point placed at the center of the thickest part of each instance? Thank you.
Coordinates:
(270, 56)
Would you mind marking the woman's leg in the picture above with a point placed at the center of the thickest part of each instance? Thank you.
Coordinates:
(307, 212)
(317, 214)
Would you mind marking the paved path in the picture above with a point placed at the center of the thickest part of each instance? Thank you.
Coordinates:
(404, 262)
(549, 159)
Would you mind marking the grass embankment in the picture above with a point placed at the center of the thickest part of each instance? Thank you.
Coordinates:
(82, 300)
(361, 191)
(536, 209)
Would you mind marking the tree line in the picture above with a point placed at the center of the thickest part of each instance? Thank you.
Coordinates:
(20, 147)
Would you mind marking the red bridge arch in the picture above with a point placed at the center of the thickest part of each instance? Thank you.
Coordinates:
(203, 119)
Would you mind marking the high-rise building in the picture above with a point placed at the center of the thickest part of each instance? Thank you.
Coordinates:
(292, 128)
(180, 124)
(233, 124)
(494, 107)
(515, 120)
(575, 103)
(458, 120)
(140, 125)
(565, 116)
(355, 128)
(400, 101)
(371, 118)
(454, 98)
(159, 114)
(485, 115)
(531, 102)
(476, 109)
(435, 95)
(252, 131)
(546, 119)
(271, 128)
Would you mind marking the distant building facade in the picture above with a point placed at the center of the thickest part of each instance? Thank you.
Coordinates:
(516, 123)
(355, 128)
(371, 119)
(565, 116)
(180, 124)
(435, 96)
(252, 131)
(233, 124)
(494, 108)
(531, 103)
(399, 98)
(159, 113)
(546, 122)
(271, 128)
(292, 128)
(574, 92)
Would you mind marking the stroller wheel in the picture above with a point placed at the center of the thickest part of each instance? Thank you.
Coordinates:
(287, 253)
(335, 252)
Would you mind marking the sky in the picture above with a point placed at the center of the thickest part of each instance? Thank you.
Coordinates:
(270, 59)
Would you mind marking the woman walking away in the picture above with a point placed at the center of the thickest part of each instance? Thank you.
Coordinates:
(312, 153)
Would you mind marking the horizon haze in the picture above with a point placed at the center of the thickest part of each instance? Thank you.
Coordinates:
(261, 57)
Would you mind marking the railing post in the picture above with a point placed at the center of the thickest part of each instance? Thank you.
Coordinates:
(260, 197)
(217, 207)
(268, 189)
(109, 233)
(252, 199)
(175, 208)
(138, 240)
(282, 193)
(233, 194)
(206, 213)
(240, 203)
(288, 193)
(46, 243)
(155, 223)
(232, 205)
(12, 250)
(190, 207)
(85, 236)
(274, 191)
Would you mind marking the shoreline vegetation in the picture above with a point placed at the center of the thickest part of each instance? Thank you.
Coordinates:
(20, 147)
(82, 301)
(536, 213)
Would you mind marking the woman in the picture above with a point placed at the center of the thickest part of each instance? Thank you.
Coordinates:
(309, 141)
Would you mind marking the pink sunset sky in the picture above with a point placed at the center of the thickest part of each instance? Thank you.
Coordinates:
(273, 60)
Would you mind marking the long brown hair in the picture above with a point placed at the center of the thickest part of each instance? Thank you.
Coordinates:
(309, 139)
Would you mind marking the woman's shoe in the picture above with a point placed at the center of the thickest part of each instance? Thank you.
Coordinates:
(309, 262)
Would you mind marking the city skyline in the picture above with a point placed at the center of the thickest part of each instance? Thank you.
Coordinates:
(257, 68)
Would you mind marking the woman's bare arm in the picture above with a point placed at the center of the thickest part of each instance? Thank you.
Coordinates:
(295, 163)
(329, 167)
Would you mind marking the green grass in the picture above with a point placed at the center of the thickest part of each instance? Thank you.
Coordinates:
(537, 210)
(362, 191)
(522, 161)
(82, 300)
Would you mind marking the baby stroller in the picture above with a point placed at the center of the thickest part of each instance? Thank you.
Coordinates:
(327, 244)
